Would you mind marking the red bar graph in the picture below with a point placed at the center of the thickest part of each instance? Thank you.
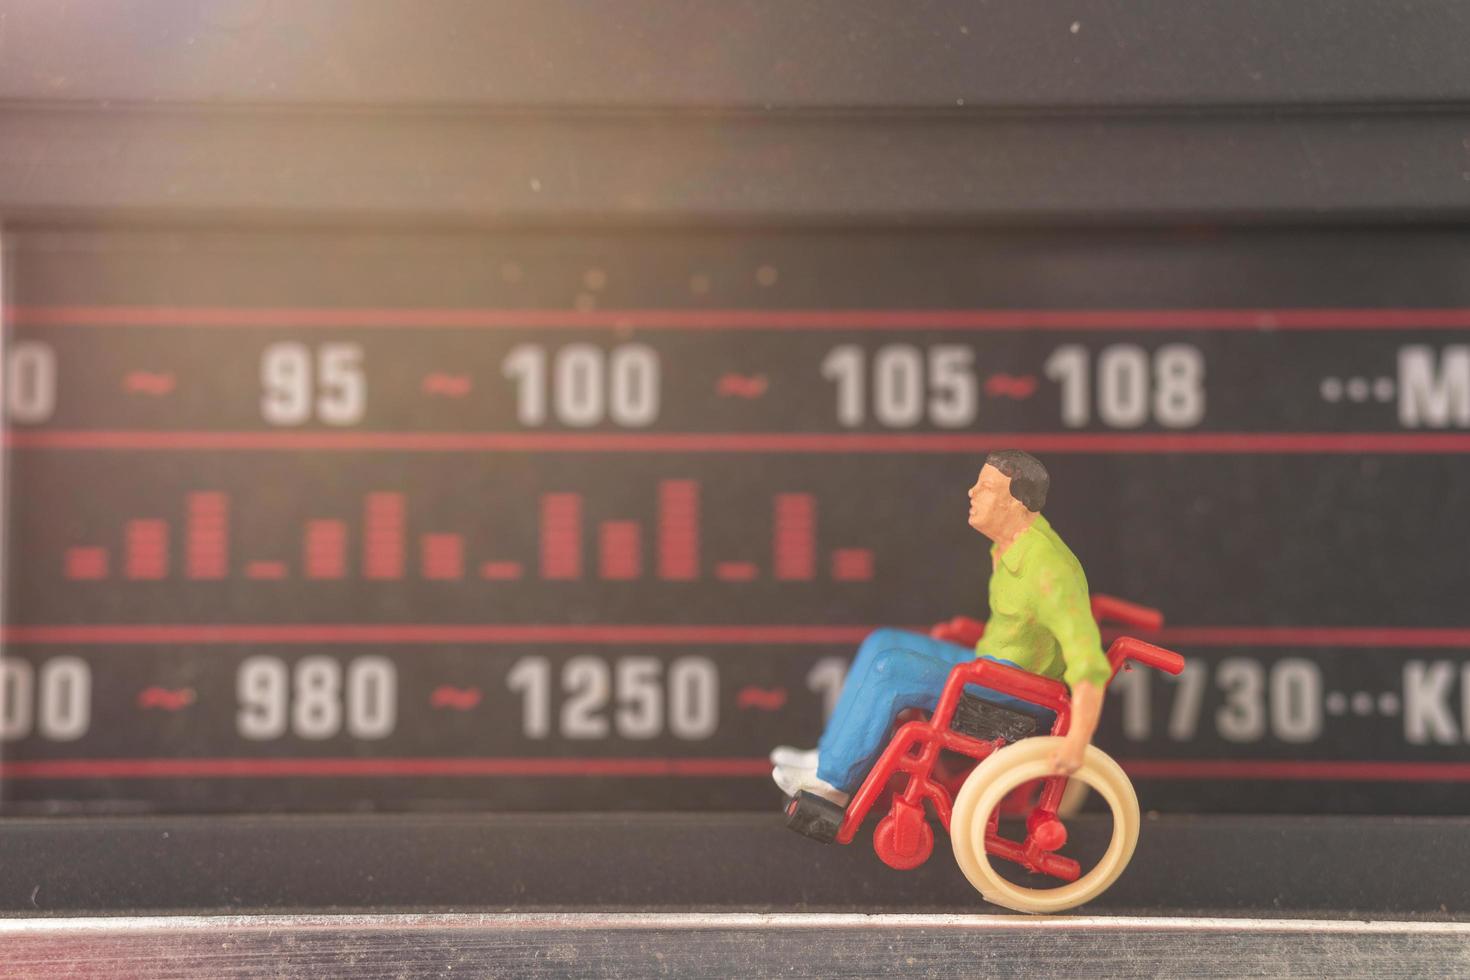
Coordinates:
(445, 556)
(852, 564)
(736, 571)
(620, 550)
(678, 530)
(795, 538)
(382, 537)
(442, 556)
(324, 550)
(145, 550)
(561, 536)
(207, 546)
(85, 564)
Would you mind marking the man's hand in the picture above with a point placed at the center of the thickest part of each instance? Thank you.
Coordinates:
(1086, 709)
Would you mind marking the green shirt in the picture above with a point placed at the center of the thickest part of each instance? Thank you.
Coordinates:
(1040, 614)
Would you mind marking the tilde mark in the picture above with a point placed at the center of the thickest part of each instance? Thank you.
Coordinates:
(460, 699)
(165, 699)
(761, 698)
(449, 385)
(742, 386)
(148, 382)
(1016, 386)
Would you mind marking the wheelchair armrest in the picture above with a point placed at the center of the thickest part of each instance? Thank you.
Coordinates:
(961, 630)
(1112, 611)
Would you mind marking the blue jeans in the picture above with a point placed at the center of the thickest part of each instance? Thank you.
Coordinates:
(894, 670)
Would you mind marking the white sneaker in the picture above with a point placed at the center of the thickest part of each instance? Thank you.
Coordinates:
(794, 758)
(793, 781)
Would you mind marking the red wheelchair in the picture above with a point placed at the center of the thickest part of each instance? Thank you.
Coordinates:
(973, 760)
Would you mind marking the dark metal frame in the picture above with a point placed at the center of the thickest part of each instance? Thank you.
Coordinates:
(1380, 867)
(698, 112)
(955, 56)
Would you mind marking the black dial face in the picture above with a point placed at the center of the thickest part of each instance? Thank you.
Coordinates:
(591, 520)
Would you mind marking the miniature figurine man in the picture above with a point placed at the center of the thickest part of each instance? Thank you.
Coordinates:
(1040, 621)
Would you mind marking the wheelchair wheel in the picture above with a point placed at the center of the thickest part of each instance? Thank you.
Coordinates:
(1004, 771)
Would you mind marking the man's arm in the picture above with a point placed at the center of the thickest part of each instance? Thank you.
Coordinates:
(1065, 611)
(1087, 701)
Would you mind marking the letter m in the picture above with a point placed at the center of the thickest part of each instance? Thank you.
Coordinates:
(1430, 397)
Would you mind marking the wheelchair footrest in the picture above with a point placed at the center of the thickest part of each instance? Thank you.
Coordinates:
(985, 720)
(812, 816)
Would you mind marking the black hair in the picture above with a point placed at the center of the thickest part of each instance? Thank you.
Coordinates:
(1029, 479)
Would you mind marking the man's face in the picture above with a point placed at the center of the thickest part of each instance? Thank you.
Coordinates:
(991, 501)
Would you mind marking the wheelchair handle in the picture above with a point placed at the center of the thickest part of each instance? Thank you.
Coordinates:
(1132, 648)
(1113, 611)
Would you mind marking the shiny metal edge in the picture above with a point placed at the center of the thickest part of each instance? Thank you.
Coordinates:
(537, 945)
(764, 921)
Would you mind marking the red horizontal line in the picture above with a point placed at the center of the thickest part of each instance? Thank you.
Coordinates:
(736, 319)
(735, 571)
(752, 442)
(237, 768)
(499, 571)
(1378, 637)
(1312, 636)
(363, 633)
(1284, 769)
(255, 768)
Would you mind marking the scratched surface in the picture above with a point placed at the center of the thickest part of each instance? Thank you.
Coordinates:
(601, 945)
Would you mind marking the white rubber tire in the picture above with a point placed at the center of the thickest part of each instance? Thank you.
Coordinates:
(1002, 772)
(1074, 798)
